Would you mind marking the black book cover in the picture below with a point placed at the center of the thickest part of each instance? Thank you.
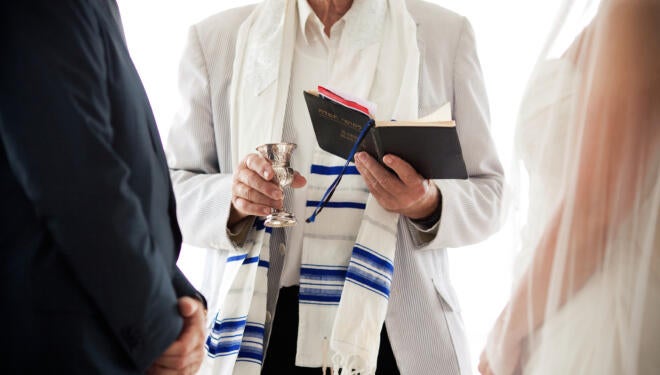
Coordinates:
(434, 151)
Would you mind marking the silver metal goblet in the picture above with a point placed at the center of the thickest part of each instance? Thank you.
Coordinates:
(279, 155)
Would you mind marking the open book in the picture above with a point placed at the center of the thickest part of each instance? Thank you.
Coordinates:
(429, 144)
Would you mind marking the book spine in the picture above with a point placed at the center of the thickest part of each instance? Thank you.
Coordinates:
(377, 144)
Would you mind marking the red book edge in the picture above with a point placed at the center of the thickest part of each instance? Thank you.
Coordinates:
(345, 102)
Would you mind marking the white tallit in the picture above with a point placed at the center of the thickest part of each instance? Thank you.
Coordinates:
(348, 252)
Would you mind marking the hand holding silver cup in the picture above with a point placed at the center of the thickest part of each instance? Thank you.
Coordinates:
(279, 154)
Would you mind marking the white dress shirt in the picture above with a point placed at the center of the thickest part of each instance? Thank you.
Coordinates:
(314, 56)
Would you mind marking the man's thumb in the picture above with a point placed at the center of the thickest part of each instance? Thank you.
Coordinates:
(187, 306)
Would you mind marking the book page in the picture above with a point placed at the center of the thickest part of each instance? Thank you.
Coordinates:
(439, 117)
(441, 114)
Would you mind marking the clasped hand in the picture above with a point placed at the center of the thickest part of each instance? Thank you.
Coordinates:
(185, 354)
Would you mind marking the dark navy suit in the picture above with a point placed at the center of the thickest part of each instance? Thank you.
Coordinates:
(88, 231)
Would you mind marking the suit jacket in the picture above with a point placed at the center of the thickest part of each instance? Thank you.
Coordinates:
(423, 319)
(88, 231)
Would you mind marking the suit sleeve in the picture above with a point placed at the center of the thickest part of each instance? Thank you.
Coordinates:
(57, 129)
(184, 288)
(202, 189)
(470, 208)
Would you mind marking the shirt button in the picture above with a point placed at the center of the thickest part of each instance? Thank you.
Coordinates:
(282, 248)
(269, 317)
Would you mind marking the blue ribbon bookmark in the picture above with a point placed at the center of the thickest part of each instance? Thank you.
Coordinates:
(331, 189)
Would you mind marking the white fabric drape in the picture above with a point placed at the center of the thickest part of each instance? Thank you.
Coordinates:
(588, 293)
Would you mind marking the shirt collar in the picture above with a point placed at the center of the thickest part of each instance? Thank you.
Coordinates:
(363, 16)
(304, 13)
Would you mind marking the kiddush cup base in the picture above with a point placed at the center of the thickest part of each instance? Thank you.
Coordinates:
(280, 219)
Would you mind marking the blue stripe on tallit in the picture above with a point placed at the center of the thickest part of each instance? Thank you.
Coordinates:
(370, 270)
(225, 337)
(321, 284)
(228, 325)
(252, 346)
(386, 277)
(251, 260)
(244, 258)
(246, 339)
(366, 280)
(308, 272)
(254, 330)
(221, 349)
(251, 352)
(331, 204)
(320, 294)
(373, 260)
(235, 258)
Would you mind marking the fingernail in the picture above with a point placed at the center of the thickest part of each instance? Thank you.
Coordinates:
(266, 174)
(359, 157)
(388, 159)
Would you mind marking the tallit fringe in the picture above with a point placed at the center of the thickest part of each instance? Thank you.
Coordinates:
(350, 365)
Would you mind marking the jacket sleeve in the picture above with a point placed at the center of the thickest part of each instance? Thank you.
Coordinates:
(56, 127)
(470, 208)
(202, 189)
(184, 288)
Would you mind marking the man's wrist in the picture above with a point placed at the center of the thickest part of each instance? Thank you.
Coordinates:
(235, 216)
(430, 220)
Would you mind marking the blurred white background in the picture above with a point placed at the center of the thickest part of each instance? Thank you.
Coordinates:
(510, 35)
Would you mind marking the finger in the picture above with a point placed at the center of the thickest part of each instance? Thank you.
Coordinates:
(379, 177)
(241, 190)
(188, 306)
(298, 181)
(194, 331)
(249, 208)
(406, 173)
(257, 182)
(193, 368)
(157, 369)
(181, 362)
(483, 367)
(371, 182)
(169, 365)
(190, 339)
(386, 179)
(177, 349)
(259, 165)
(176, 355)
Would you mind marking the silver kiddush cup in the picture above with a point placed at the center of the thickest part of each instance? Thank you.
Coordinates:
(279, 155)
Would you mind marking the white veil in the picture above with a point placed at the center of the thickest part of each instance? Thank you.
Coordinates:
(587, 295)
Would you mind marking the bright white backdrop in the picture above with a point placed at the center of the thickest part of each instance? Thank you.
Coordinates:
(510, 34)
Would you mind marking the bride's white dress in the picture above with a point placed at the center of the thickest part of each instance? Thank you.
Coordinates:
(591, 332)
